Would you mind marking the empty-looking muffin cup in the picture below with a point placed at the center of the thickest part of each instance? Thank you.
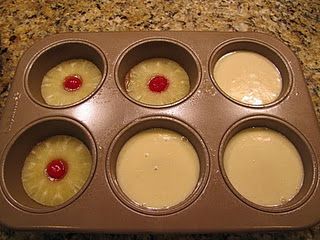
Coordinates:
(149, 167)
(52, 57)
(20, 147)
(250, 72)
(166, 57)
(247, 137)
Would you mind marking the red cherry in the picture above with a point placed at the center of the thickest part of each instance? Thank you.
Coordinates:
(158, 84)
(72, 83)
(57, 169)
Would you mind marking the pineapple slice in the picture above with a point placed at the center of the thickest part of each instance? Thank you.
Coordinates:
(56, 169)
(157, 81)
(69, 82)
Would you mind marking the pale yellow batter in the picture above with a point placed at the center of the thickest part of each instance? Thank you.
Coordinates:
(157, 168)
(248, 77)
(263, 166)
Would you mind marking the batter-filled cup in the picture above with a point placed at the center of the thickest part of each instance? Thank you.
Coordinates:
(263, 166)
(248, 77)
(157, 168)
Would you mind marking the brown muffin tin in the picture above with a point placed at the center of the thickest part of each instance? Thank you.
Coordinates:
(108, 117)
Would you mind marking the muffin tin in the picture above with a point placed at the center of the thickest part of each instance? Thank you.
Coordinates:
(108, 117)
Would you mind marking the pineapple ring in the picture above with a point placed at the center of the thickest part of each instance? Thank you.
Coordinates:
(43, 189)
(138, 78)
(52, 86)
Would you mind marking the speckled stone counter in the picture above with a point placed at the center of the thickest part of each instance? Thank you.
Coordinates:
(296, 23)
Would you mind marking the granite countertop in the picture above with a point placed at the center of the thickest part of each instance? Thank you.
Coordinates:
(296, 23)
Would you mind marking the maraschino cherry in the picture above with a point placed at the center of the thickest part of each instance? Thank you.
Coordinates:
(72, 83)
(158, 84)
(57, 169)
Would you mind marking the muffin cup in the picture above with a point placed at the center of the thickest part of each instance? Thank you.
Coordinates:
(20, 146)
(305, 151)
(55, 54)
(157, 122)
(265, 50)
(158, 48)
